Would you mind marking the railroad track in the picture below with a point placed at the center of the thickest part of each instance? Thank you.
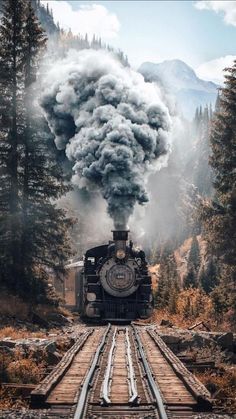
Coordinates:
(121, 372)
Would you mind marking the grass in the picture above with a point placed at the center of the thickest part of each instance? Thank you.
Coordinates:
(16, 368)
(15, 333)
(25, 371)
(176, 319)
(24, 367)
(184, 322)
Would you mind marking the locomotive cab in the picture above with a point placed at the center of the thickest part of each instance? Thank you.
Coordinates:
(115, 282)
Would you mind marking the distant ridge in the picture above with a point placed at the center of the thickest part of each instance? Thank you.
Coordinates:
(181, 80)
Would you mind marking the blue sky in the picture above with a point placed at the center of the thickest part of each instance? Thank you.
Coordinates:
(159, 30)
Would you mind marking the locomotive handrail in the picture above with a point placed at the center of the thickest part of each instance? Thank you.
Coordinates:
(153, 385)
(107, 378)
(79, 413)
(131, 374)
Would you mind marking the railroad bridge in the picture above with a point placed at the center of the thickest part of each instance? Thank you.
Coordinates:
(121, 372)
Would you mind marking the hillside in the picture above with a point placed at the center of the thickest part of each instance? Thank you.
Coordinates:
(46, 18)
(44, 15)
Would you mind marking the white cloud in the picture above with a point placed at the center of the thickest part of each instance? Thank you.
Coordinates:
(90, 19)
(213, 70)
(227, 8)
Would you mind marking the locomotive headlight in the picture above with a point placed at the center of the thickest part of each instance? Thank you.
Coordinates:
(91, 296)
(120, 254)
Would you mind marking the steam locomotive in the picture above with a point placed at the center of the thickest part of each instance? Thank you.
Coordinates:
(114, 283)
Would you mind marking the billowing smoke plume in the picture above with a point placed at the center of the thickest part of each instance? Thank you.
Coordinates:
(112, 125)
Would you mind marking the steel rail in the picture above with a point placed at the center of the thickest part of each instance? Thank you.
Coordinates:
(131, 374)
(153, 385)
(107, 378)
(79, 413)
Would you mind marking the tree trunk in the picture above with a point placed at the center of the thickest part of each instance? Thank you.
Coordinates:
(14, 189)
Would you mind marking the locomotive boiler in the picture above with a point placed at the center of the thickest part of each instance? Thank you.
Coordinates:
(114, 283)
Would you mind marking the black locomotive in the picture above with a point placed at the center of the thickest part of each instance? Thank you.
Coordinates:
(114, 283)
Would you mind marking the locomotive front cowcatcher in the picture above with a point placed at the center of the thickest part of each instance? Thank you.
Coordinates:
(114, 283)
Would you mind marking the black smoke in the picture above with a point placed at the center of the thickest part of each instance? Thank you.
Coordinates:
(112, 124)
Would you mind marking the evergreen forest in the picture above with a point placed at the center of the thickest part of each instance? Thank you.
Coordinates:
(190, 222)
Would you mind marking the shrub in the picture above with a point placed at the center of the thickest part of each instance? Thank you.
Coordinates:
(25, 371)
(194, 303)
(222, 385)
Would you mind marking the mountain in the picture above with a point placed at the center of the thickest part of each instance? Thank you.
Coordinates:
(181, 80)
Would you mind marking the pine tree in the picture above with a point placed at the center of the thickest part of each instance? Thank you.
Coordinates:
(161, 297)
(33, 230)
(220, 301)
(217, 104)
(196, 117)
(44, 240)
(12, 61)
(202, 173)
(34, 42)
(210, 112)
(187, 311)
(196, 122)
(208, 278)
(86, 41)
(219, 214)
(173, 296)
(200, 112)
(206, 117)
(162, 292)
(94, 42)
(190, 279)
(223, 161)
(194, 254)
(167, 288)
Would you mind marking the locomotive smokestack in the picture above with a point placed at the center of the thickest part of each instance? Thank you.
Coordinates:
(120, 238)
(120, 235)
